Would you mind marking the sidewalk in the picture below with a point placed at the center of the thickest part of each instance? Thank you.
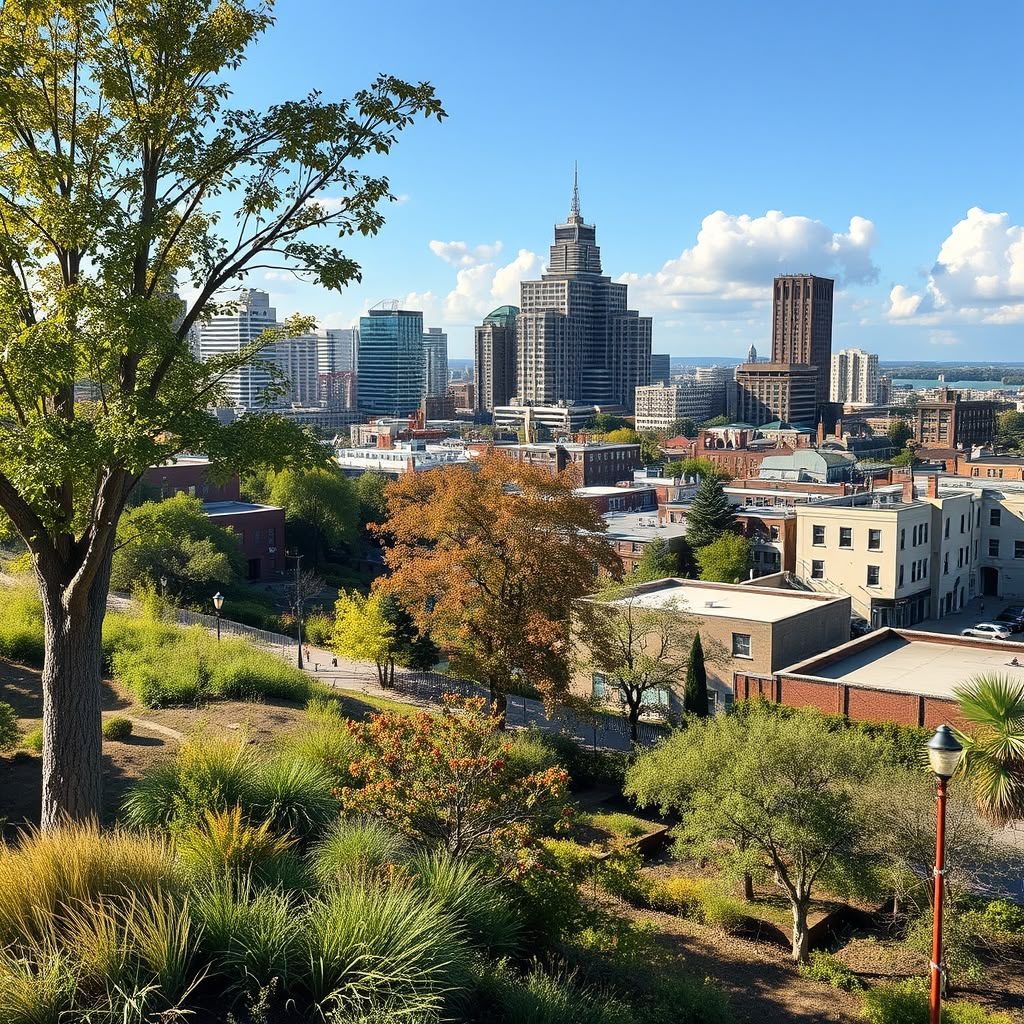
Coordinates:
(981, 609)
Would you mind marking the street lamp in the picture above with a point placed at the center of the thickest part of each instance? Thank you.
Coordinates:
(943, 755)
(218, 603)
(298, 599)
(163, 586)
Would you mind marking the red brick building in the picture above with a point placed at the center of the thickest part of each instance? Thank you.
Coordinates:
(260, 531)
(737, 450)
(890, 675)
(597, 463)
(188, 474)
(620, 498)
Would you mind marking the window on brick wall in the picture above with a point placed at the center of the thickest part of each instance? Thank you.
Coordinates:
(597, 685)
(741, 645)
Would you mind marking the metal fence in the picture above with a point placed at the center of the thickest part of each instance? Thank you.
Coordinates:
(263, 637)
(433, 686)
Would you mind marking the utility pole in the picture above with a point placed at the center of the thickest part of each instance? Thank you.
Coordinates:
(298, 599)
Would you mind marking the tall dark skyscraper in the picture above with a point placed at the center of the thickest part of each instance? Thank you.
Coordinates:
(494, 365)
(576, 341)
(802, 325)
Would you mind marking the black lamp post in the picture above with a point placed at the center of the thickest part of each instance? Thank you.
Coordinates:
(163, 586)
(298, 599)
(943, 755)
(218, 603)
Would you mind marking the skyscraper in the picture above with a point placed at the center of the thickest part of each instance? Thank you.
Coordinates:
(494, 362)
(854, 376)
(661, 368)
(391, 371)
(337, 349)
(576, 340)
(435, 361)
(802, 325)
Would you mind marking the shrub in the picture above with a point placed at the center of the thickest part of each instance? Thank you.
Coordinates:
(328, 745)
(683, 1000)
(33, 740)
(626, 826)
(250, 935)
(371, 947)
(244, 673)
(906, 1002)
(21, 625)
(9, 731)
(1004, 917)
(830, 969)
(117, 727)
(353, 847)
(224, 845)
(678, 895)
(548, 892)
(475, 901)
(720, 910)
(620, 874)
(48, 873)
(318, 630)
(528, 752)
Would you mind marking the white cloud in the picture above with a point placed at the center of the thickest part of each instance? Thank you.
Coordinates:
(459, 254)
(978, 275)
(735, 258)
(943, 338)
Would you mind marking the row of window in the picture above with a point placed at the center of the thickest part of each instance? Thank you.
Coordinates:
(846, 537)
(873, 574)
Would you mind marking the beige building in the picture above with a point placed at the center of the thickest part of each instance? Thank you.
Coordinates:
(775, 391)
(658, 406)
(760, 630)
(854, 377)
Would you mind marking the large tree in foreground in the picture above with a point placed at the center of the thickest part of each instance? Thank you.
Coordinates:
(488, 559)
(125, 172)
(770, 794)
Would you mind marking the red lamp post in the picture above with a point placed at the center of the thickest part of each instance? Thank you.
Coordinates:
(943, 755)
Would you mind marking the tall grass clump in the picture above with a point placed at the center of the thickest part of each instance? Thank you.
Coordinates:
(225, 845)
(47, 874)
(240, 671)
(294, 795)
(21, 625)
(355, 847)
(327, 745)
(36, 991)
(476, 902)
(10, 734)
(370, 947)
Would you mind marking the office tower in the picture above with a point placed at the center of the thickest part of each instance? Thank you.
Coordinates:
(337, 349)
(296, 359)
(494, 358)
(720, 375)
(658, 406)
(390, 370)
(435, 361)
(775, 391)
(576, 340)
(884, 389)
(752, 354)
(802, 325)
(854, 376)
(229, 332)
(661, 370)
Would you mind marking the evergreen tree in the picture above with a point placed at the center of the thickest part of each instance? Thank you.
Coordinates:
(695, 699)
(710, 515)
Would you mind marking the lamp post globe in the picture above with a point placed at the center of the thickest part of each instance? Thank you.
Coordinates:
(218, 603)
(944, 752)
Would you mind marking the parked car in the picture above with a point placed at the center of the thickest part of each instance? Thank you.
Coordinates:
(988, 631)
(859, 627)
(1012, 617)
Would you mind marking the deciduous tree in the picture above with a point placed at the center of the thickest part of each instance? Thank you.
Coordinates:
(725, 560)
(123, 171)
(899, 433)
(768, 794)
(489, 560)
(657, 561)
(321, 509)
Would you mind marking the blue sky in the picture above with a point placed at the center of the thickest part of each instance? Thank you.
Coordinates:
(718, 144)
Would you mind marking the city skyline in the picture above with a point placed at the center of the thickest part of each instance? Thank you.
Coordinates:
(887, 178)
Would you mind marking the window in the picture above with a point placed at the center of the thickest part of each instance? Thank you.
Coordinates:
(659, 695)
(741, 645)
(597, 685)
(271, 535)
(817, 569)
(945, 529)
(845, 537)
(924, 534)
(993, 548)
(961, 524)
(945, 564)
(874, 540)
(995, 516)
(924, 568)
(773, 532)
(1018, 549)
(818, 535)
(913, 539)
(873, 574)
(899, 582)
(913, 572)
(903, 539)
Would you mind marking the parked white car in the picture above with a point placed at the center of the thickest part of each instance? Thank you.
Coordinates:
(988, 631)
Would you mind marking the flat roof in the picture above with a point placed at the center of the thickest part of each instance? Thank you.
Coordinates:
(913, 662)
(731, 600)
(234, 508)
(595, 491)
(640, 526)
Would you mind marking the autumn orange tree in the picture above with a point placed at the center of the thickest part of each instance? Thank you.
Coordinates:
(488, 559)
(451, 781)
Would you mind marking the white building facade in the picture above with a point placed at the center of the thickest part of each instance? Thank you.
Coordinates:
(854, 377)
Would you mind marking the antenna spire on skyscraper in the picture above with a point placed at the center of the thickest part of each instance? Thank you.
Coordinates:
(574, 210)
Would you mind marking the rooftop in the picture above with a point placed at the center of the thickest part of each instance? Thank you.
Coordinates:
(234, 508)
(730, 600)
(911, 661)
(642, 526)
(600, 492)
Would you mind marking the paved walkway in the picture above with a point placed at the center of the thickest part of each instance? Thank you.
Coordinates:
(981, 609)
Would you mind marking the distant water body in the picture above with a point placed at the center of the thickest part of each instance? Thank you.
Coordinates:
(977, 385)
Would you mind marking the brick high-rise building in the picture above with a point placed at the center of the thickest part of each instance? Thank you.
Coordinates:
(802, 325)
(775, 391)
(949, 422)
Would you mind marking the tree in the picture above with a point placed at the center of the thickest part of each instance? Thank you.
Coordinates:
(603, 422)
(175, 540)
(447, 780)
(716, 421)
(696, 469)
(992, 708)
(710, 515)
(321, 509)
(489, 560)
(683, 428)
(1010, 429)
(123, 169)
(373, 506)
(642, 651)
(899, 433)
(770, 794)
(695, 699)
(903, 458)
(657, 562)
(725, 560)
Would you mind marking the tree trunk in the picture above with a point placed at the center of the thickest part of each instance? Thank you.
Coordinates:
(633, 717)
(800, 942)
(748, 886)
(499, 704)
(72, 719)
